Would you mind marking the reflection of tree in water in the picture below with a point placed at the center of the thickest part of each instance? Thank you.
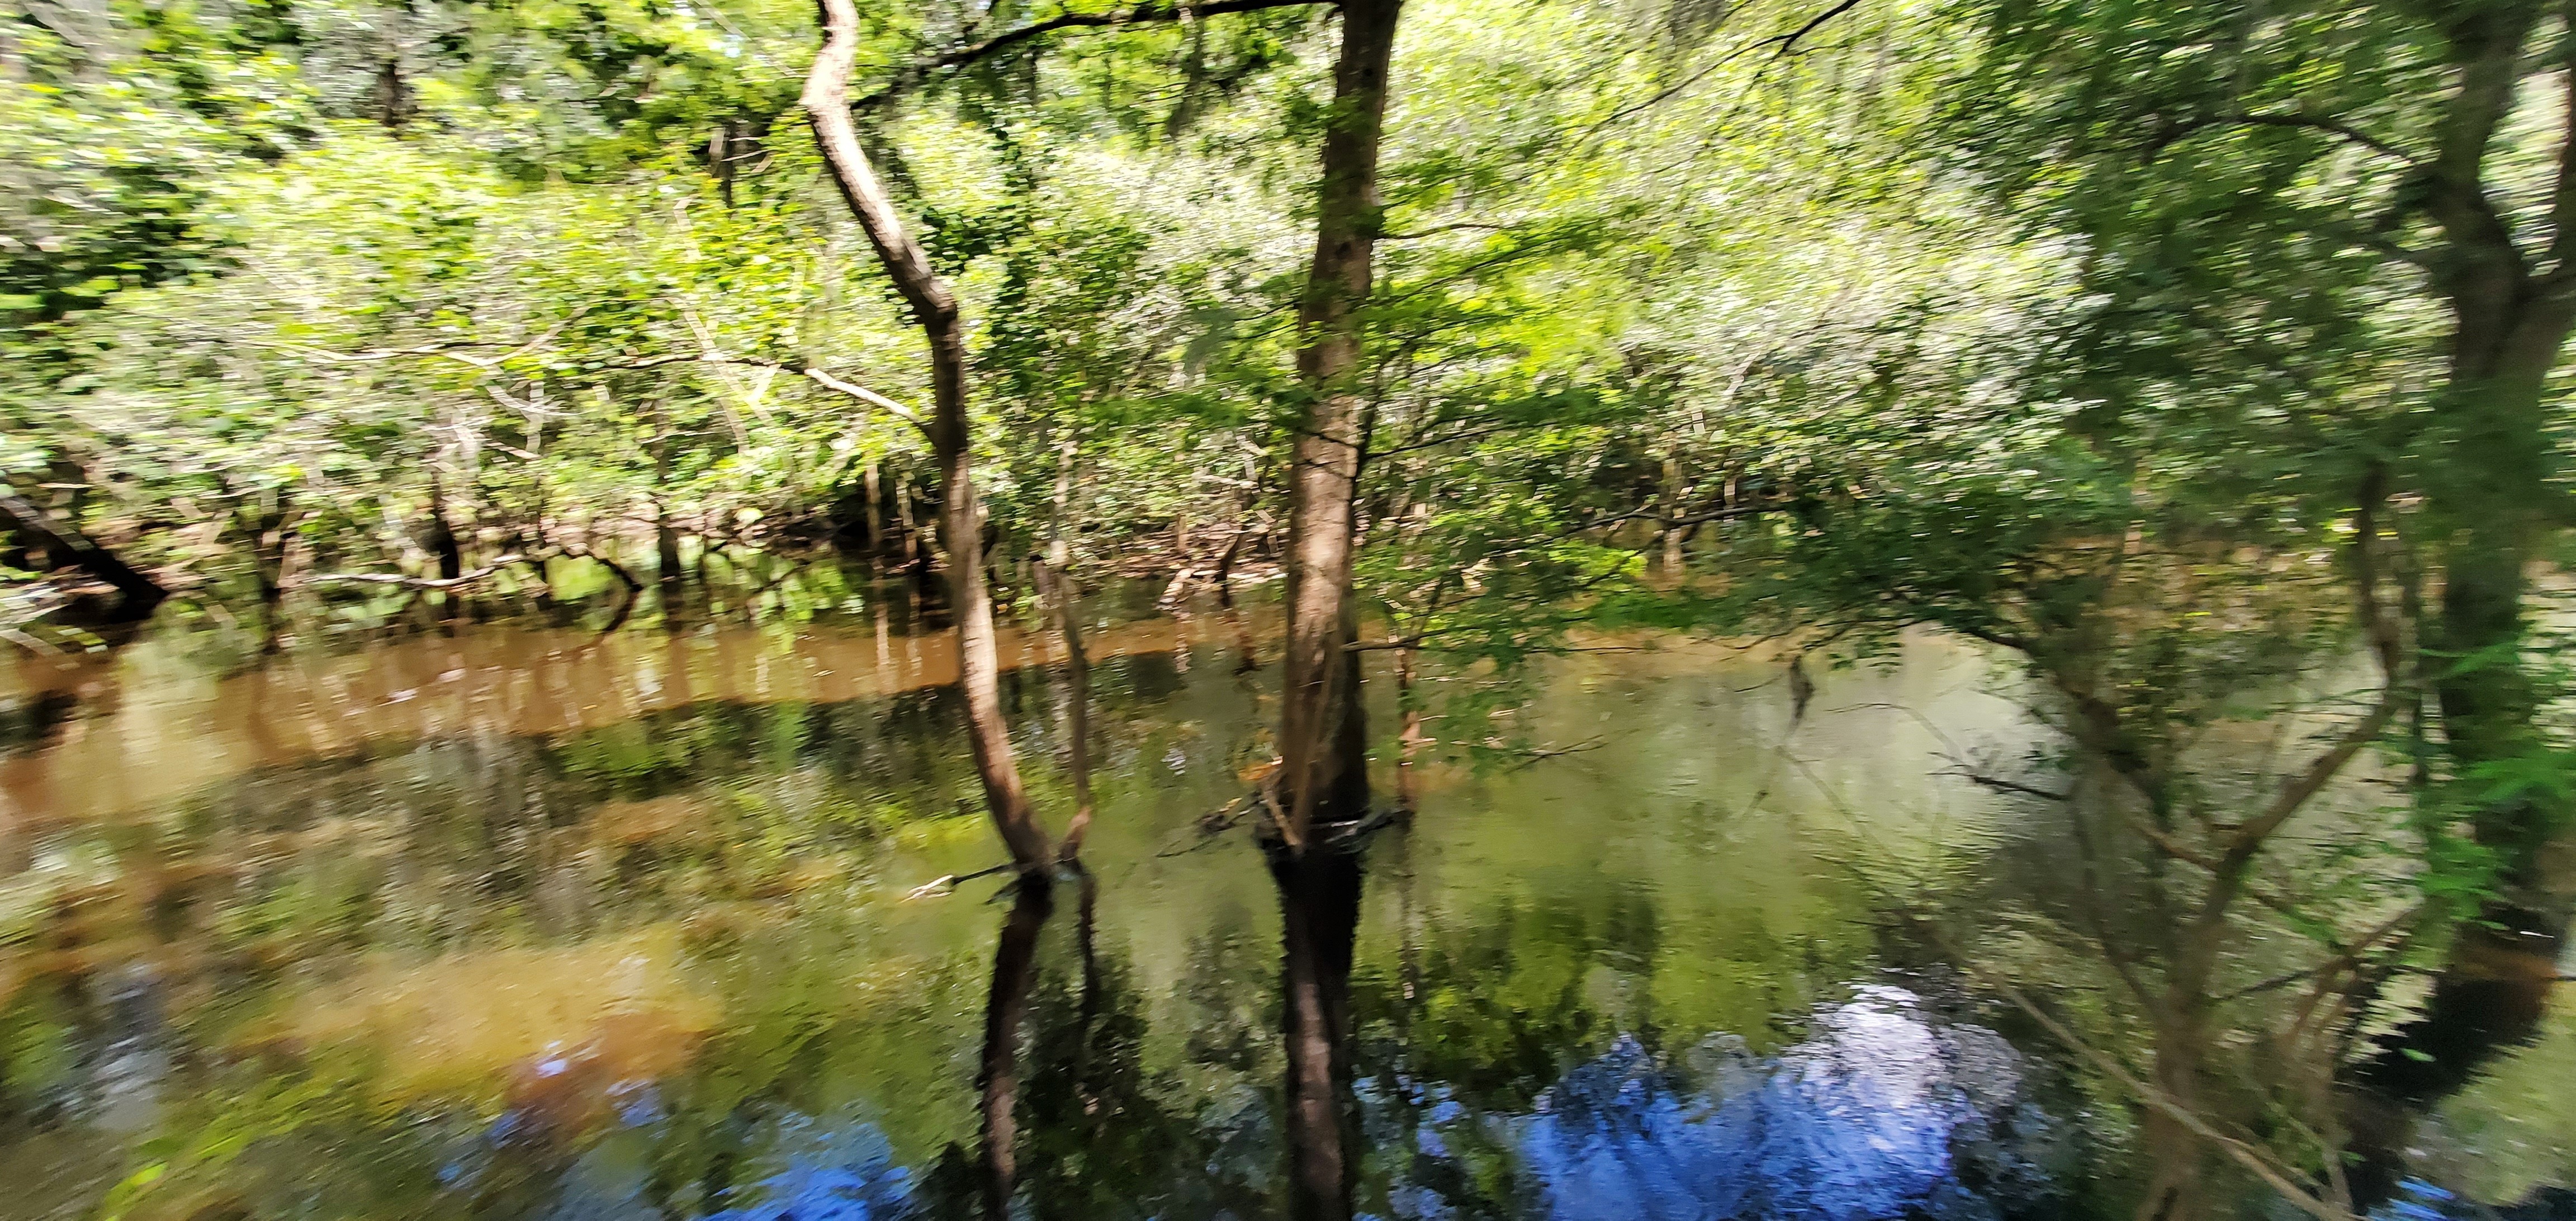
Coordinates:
(1503, 1001)
(1498, 1077)
(1102, 1136)
(1881, 1112)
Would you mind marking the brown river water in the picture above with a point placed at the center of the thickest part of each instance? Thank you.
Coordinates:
(512, 921)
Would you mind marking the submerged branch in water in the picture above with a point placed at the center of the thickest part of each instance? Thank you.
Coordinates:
(2273, 1174)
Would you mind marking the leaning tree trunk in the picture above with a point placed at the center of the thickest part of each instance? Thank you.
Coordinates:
(827, 103)
(65, 546)
(1323, 744)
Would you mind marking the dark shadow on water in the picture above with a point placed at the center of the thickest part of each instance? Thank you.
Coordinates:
(1319, 902)
(2491, 998)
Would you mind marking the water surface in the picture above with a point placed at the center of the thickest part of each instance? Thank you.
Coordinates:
(518, 922)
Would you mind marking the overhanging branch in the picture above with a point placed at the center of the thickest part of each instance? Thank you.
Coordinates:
(1143, 14)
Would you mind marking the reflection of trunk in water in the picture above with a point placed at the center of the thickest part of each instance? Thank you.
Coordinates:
(1319, 901)
(1247, 656)
(1058, 592)
(1014, 964)
(2491, 997)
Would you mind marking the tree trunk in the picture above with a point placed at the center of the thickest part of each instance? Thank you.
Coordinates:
(440, 540)
(1323, 745)
(66, 546)
(874, 516)
(1060, 501)
(1410, 739)
(827, 104)
(1223, 576)
(1672, 537)
(903, 519)
(2489, 498)
(2488, 488)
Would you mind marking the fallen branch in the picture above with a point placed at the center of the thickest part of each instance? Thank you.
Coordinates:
(943, 885)
(1534, 757)
(412, 582)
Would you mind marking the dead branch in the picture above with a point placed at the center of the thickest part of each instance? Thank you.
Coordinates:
(412, 582)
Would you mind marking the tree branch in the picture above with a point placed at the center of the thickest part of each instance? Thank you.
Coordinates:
(411, 582)
(2486, 43)
(2333, 127)
(2263, 1167)
(1147, 13)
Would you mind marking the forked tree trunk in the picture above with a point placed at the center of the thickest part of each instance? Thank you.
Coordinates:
(1323, 744)
(827, 103)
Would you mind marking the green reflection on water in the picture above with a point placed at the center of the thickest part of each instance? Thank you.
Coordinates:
(549, 958)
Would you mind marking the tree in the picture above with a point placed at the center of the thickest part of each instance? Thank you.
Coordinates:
(934, 308)
(2291, 184)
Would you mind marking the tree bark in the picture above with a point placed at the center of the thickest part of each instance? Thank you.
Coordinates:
(1323, 744)
(826, 100)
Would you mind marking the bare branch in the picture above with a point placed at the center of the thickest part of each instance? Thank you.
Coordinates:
(1143, 14)
(412, 582)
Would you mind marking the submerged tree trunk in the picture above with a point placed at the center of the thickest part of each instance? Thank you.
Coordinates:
(1323, 744)
(827, 103)
(440, 538)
